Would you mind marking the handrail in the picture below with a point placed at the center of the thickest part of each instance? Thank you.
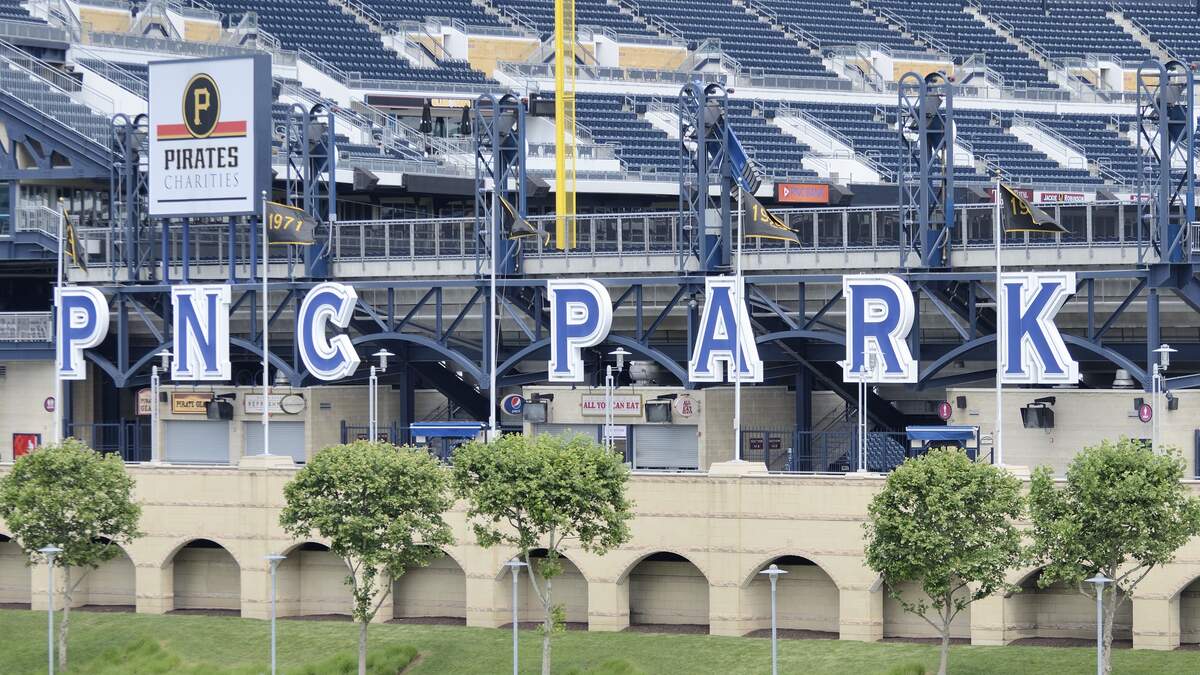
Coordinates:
(16, 58)
(112, 72)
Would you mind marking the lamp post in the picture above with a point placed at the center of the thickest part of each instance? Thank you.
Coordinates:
(273, 560)
(610, 385)
(373, 394)
(773, 573)
(1157, 386)
(1099, 580)
(515, 565)
(867, 369)
(155, 436)
(50, 552)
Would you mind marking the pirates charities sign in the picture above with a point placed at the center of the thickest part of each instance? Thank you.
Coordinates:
(880, 312)
(210, 136)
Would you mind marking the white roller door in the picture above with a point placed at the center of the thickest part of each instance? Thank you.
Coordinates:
(287, 438)
(590, 430)
(196, 441)
(665, 446)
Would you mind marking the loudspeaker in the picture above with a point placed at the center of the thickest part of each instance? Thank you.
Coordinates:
(219, 410)
(658, 412)
(535, 412)
(961, 402)
(1037, 418)
(364, 180)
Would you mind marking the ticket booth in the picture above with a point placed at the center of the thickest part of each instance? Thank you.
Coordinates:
(443, 437)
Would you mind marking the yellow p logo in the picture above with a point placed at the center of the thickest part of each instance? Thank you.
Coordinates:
(200, 104)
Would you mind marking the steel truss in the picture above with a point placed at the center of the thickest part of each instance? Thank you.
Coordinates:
(926, 172)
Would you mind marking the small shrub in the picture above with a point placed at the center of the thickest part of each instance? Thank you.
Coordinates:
(908, 669)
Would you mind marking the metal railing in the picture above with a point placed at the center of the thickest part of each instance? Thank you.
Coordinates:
(38, 219)
(26, 327)
(128, 438)
(112, 72)
(788, 451)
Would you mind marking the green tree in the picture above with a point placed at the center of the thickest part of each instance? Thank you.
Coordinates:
(1122, 512)
(380, 507)
(70, 496)
(544, 492)
(946, 523)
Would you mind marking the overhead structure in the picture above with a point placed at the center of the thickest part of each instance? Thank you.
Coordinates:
(310, 180)
(564, 123)
(705, 177)
(1166, 120)
(499, 130)
(926, 171)
(127, 193)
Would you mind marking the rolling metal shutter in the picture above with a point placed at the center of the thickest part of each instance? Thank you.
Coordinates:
(665, 446)
(589, 430)
(287, 438)
(196, 442)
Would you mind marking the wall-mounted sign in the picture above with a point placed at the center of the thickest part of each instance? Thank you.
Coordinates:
(144, 402)
(286, 404)
(1145, 412)
(686, 406)
(944, 410)
(802, 193)
(190, 403)
(49, 404)
(624, 405)
(513, 404)
(23, 444)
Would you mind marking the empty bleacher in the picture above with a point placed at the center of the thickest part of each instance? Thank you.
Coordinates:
(985, 130)
(595, 13)
(754, 43)
(1101, 137)
(54, 103)
(964, 36)
(1174, 24)
(775, 153)
(641, 146)
(838, 22)
(1067, 28)
(419, 10)
(13, 10)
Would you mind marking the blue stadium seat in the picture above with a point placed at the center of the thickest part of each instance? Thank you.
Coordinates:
(1068, 28)
(595, 13)
(1174, 24)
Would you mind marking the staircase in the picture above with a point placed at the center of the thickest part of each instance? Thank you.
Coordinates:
(1055, 72)
(1138, 33)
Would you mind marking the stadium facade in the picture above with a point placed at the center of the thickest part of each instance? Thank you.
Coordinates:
(423, 148)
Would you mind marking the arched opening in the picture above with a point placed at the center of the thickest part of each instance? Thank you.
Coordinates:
(312, 583)
(1060, 612)
(110, 587)
(668, 590)
(1189, 614)
(14, 575)
(436, 593)
(806, 599)
(206, 579)
(898, 623)
(570, 589)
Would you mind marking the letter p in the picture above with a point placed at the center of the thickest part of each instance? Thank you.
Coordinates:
(580, 316)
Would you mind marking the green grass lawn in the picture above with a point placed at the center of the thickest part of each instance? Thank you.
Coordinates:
(112, 643)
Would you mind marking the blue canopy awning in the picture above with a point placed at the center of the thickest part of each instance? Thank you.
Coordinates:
(947, 433)
(446, 429)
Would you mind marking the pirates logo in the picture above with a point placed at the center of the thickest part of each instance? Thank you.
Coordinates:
(201, 106)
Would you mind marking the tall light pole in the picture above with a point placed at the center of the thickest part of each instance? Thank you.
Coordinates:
(1099, 580)
(773, 573)
(1158, 383)
(373, 394)
(515, 565)
(273, 560)
(610, 386)
(50, 552)
(155, 435)
(866, 370)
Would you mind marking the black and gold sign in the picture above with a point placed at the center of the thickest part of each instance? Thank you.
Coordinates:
(201, 106)
(289, 225)
(760, 223)
(1018, 215)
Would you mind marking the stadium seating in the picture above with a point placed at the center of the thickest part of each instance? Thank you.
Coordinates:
(773, 152)
(337, 37)
(1174, 24)
(754, 43)
(595, 13)
(55, 104)
(1067, 28)
(964, 36)
(838, 22)
(13, 10)
(985, 131)
(419, 10)
(1099, 138)
(639, 144)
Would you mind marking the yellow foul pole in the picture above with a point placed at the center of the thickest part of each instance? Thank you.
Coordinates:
(564, 123)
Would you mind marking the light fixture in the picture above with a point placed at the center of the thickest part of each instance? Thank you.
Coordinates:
(1164, 352)
(1038, 414)
(383, 355)
(281, 378)
(620, 353)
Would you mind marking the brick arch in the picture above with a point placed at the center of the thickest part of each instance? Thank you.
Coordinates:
(573, 557)
(629, 567)
(180, 543)
(762, 561)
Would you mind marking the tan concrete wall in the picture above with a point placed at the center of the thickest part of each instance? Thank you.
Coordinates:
(485, 52)
(728, 526)
(14, 575)
(23, 389)
(1059, 611)
(206, 578)
(658, 58)
(105, 20)
(201, 31)
(112, 583)
(899, 623)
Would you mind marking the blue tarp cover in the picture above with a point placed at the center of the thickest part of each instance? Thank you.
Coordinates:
(446, 429)
(956, 433)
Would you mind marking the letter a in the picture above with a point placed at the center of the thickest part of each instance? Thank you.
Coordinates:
(720, 334)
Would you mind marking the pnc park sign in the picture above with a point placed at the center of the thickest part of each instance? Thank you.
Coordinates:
(880, 309)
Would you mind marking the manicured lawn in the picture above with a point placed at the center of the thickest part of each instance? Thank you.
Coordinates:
(204, 644)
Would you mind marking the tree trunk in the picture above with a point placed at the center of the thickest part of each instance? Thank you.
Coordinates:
(944, 659)
(547, 629)
(64, 625)
(362, 648)
(1110, 613)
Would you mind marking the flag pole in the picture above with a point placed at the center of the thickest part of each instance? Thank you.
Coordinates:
(737, 342)
(58, 286)
(997, 441)
(493, 324)
(266, 403)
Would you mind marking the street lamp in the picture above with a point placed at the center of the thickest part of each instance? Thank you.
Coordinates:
(1158, 384)
(866, 369)
(1099, 580)
(50, 552)
(274, 559)
(773, 573)
(155, 436)
(515, 565)
(610, 385)
(373, 394)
